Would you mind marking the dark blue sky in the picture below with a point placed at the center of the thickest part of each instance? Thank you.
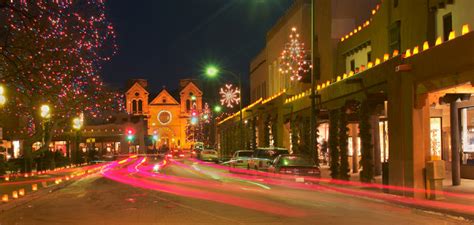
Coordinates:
(166, 40)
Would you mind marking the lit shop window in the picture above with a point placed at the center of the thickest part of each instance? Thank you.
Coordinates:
(435, 138)
(467, 135)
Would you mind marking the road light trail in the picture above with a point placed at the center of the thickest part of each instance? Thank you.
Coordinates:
(117, 173)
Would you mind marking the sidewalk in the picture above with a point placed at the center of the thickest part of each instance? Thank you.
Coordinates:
(458, 197)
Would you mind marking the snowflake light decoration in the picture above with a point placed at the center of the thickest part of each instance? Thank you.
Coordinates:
(230, 96)
(294, 61)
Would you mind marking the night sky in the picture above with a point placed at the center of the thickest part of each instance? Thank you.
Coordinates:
(166, 40)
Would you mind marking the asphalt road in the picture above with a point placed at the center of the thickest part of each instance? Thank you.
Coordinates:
(188, 192)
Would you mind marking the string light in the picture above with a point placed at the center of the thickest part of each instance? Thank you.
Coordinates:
(230, 96)
(54, 53)
(294, 58)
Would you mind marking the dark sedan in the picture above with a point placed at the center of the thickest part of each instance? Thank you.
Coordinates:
(298, 165)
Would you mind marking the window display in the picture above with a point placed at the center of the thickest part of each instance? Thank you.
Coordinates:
(435, 138)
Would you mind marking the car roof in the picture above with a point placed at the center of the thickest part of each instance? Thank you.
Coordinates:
(268, 148)
(286, 155)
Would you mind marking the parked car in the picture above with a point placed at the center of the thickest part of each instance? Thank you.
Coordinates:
(209, 155)
(299, 165)
(176, 153)
(262, 157)
(240, 158)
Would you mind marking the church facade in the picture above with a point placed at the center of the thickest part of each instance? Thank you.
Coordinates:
(167, 114)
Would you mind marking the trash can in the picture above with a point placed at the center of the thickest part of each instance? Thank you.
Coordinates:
(385, 175)
(434, 179)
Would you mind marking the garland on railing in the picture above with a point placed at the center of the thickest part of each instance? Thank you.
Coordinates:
(334, 143)
(254, 134)
(266, 132)
(367, 159)
(343, 150)
(294, 135)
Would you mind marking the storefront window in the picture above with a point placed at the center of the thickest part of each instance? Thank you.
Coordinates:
(435, 141)
(351, 146)
(467, 135)
(383, 132)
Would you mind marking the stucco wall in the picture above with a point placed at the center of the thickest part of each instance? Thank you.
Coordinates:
(460, 16)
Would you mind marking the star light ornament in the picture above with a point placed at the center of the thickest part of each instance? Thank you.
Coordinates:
(230, 96)
(294, 58)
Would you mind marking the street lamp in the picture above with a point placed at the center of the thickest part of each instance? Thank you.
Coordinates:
(313, 119)
(3, 99)
(212, 72)
(77, 124)
(217, 109)
(45, 111)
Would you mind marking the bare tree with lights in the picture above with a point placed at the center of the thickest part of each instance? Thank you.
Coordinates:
(50, 53)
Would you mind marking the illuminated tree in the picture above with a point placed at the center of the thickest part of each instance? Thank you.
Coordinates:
(51, 52)
(294, 58)
(230, 96)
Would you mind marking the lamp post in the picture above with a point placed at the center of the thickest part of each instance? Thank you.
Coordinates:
(77, 124)
(3, 100)
(45, 113)
(313, 119)
(212, 72)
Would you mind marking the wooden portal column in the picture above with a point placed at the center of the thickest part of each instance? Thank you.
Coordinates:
(409, 134)
(453, 100)
(355, 147)
(374, 120)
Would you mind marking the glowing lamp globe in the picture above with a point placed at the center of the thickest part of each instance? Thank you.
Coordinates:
(212, 71)
(3, 100)
(45, 111)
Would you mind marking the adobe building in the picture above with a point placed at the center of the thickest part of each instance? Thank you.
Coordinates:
(404, 76)
(167, 116)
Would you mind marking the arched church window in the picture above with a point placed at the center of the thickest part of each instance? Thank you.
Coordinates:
(140, 106)
(188, 105)
(134, 106)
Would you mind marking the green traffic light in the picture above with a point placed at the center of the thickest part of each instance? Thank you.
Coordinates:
(130, 137)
